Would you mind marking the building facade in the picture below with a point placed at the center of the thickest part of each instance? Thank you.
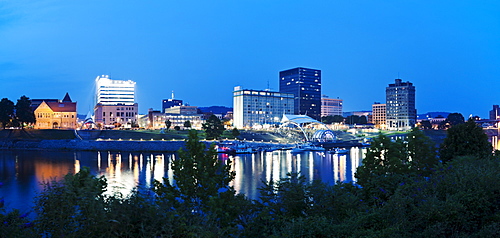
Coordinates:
(379, 115)
(168, 103)
(113, 92)
(60, 114)
(157, 120)
(495, 113)
(331, 106)
(305, 85)
(401, 114)
(253, 108)
(115, 102)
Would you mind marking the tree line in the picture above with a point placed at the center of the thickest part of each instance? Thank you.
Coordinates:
(405, 188)
(16, 115)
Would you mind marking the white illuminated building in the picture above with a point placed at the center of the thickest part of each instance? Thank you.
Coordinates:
(260, 108)
(115, 102)
(113, 92)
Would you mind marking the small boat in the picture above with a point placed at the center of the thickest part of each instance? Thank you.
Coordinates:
(338, 151)
(306, 147)
(235, 148)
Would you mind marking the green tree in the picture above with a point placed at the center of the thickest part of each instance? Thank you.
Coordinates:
(187, 124)
(6, 111)
(425, 125)
(73, 207)
(465, 139)
(24, 114)
(235, 132)
(384, 166)
(177, 128)
(338, 118)
(422, 153)
(201, 186)
(168, 124)
(213, 128)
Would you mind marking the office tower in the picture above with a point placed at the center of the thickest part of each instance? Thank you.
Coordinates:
(305, 85)
(400, 106)
(379, 115)
(331, 106)
(495, 113)
(112, 92)
(115, 103)
(254, 108)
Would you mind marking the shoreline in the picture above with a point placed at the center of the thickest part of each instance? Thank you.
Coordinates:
(110, 145)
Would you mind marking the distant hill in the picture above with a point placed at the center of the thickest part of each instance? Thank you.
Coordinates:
(216, 109)
(433, 115)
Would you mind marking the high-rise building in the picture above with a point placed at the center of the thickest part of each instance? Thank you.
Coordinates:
(305, 85)
(495, 113)
(259, 107)
(115, 102)
(113, 92)
(379, 115)
(331, 106)
(400, 106)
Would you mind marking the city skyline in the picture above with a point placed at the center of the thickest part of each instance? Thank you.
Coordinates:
(201, 50)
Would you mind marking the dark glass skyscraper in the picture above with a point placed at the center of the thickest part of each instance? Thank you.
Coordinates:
(305, 85)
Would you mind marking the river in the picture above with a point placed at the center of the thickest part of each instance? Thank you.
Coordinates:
(22, 173)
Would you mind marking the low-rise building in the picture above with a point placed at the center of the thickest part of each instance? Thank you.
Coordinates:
(60, 114)
(379, 115)
(331, 106)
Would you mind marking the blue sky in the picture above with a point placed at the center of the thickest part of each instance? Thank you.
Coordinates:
(450, 50)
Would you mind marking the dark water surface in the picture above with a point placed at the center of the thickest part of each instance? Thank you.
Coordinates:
(23, 172)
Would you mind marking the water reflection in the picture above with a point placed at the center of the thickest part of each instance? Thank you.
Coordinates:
(23, 172)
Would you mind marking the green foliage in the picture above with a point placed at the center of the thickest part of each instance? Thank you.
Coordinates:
(213, 128)
(201, 191)
(6, 111)
(425, 125)
(332, 119)
(24, 114)
(467, 139)
(187, 124)
(235, 132)
(452, 119)
(72, 206)
(177, 128)
(388, 163)
(355, 119)
(168, 124)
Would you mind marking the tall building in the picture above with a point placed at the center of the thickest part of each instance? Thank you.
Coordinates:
(115, 102)
(379, 115)
(331, 106)
(113, 92)
(259, 107)
(305, 85)
(495, 113)
(400, 106)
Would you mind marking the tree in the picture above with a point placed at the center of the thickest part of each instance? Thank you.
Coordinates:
(201, 185)
(422, 153)
(425, 125)
(187, 124)
(24, 114)
(235, 132)
(332, 119)
(168, 124)
(388, 163)
(465, 139)
(213, 128)
(453, 119)
(177, 128)
(6, 111)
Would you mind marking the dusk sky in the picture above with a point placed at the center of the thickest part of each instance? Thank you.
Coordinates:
(450, 50)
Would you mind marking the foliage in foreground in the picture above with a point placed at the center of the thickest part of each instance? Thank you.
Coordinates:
(405, 192)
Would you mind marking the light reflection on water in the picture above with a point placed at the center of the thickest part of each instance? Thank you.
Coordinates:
(23, 172)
